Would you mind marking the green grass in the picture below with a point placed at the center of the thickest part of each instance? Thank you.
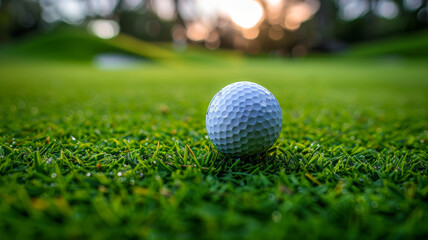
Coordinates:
(95, 154)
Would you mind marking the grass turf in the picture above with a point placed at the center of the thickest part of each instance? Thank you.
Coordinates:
(98, 154)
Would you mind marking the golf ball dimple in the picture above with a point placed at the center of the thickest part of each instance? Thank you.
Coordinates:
(243, 119)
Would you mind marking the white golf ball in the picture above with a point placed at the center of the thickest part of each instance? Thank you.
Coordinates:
(243, 119)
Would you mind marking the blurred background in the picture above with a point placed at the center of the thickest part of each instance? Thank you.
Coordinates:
(286, 28)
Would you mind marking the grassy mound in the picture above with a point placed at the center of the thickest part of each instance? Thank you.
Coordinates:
(75, 45)
(413, 45)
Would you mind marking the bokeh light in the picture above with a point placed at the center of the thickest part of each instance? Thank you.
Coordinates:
(213, 41)
(72, 11)
(299, 13)
(104, 28)
(251, 33)
(165, 9)
(197, 31)
(276, 33)
(132, 4)
(353, 9)
(386, 9)
(412, 4)
(244, 13)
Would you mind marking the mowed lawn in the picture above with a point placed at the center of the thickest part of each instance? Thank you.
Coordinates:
(107, 154)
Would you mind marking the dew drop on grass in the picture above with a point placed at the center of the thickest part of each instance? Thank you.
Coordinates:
(53, 175)
(276, 216)
(359, 208)
(22, 104)
(73, 138)
(119, 174)
(88, 174)
(34, 110)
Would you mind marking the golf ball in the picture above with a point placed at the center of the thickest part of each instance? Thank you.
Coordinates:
(243, 119)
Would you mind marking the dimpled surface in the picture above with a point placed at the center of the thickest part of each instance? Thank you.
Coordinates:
(243, 119)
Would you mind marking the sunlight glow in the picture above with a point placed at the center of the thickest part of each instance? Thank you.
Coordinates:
(245, 13)
(273, 2)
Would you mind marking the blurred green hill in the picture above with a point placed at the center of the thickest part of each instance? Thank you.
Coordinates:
(75, 45)
(80, 46)
(414, 45)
